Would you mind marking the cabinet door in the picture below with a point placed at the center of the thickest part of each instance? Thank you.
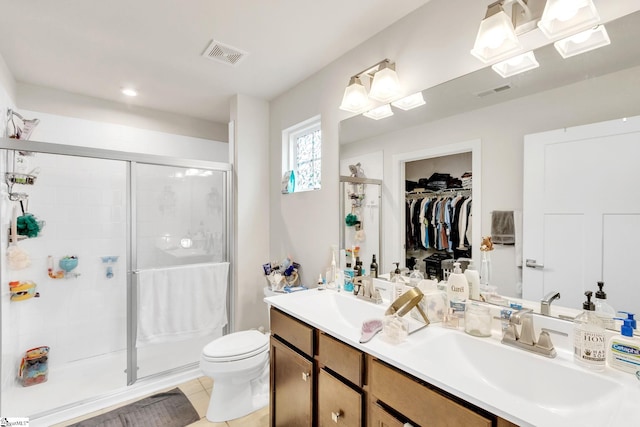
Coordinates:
(338, 403)
(291, 387)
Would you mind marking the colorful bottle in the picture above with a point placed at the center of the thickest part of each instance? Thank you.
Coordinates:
(623, 351)
(589, 345)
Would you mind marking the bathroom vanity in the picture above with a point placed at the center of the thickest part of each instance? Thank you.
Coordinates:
(322, 375)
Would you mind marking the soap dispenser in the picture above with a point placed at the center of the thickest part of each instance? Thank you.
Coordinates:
(604, 311)
(623, 351)
(457, 288)
(398, 283)
(589, 345)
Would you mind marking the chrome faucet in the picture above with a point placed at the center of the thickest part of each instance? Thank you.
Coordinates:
(525, 339)
(545, 303)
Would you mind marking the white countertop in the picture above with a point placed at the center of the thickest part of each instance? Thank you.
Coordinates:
(549, 402)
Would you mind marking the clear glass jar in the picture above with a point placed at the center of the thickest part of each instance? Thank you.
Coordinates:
(477, 320)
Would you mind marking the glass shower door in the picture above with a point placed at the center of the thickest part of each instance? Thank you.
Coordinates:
(180, 260)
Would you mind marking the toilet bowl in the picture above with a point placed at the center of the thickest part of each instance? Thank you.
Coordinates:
(238, 363)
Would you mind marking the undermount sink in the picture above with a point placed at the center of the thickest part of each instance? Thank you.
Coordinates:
(555, 385)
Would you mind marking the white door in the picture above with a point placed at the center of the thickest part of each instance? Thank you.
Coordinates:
(581, 213)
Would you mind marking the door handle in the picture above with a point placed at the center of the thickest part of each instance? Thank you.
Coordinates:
(532, 263)
(335, 416)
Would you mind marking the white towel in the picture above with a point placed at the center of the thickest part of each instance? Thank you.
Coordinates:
(179, 303)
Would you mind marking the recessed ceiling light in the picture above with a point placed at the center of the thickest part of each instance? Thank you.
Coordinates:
(129, 92)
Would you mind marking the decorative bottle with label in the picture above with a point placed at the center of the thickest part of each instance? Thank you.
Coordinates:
(373, 268)
(589, 345)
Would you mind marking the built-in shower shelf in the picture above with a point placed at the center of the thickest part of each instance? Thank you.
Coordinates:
(20, 178)
(19, 238)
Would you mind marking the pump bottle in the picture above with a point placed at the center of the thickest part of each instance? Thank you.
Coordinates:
(589, 345)
(457, 288)
(473, 278)
(398, 283)
(623, 351)
(604, 311)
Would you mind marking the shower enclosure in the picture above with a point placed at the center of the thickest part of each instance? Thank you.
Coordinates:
(104, 221)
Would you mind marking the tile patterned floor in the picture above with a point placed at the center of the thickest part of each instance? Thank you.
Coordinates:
(198, 392)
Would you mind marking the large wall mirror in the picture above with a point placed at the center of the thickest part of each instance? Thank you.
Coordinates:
(594, 87)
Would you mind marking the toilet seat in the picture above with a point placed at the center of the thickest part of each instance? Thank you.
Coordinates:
(236, 346)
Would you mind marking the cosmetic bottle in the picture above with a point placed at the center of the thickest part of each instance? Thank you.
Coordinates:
(623, 351)
(589, 345)
(415, 277)
(604, 311)
(349, 274)
(373, 268)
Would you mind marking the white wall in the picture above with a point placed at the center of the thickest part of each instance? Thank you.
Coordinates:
(502, 128)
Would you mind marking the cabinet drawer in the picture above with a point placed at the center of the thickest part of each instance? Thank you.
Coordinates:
(338, 403)
(419, 403)
(292, 331)
(341, 358)
(379, 417)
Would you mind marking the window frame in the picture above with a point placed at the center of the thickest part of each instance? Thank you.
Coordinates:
(289, 147)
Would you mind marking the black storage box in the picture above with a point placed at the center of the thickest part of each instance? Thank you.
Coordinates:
(433, 265)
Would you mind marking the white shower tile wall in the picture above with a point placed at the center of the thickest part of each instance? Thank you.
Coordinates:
(82, 202)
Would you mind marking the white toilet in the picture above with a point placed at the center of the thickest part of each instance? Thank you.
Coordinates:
(239, 366)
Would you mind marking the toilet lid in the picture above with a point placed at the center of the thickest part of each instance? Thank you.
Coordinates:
(236, 346)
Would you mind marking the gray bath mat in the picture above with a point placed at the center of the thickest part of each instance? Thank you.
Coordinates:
(168, 409)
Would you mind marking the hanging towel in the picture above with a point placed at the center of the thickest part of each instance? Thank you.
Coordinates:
(503, 231)
(179, 303)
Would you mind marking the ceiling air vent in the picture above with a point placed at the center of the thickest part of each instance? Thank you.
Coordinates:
(223, 53)
(493, 90)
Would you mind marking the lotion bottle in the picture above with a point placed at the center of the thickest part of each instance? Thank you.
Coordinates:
(623, 351)
(589, 344)
(457, 288)
(398, 283)
(473, 278)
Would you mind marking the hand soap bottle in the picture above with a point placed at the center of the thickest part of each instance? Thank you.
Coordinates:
(623, 351)
(398, 283)
(589, 345)
(604, 311)
(415, 277)
(457, 288)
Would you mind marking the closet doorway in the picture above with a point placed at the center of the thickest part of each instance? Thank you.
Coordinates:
(437, 163)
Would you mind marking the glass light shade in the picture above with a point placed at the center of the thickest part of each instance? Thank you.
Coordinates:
(355, 98)
(380, 112)
(385, 85)
(561, 18)
(496, 38)
(583, 42)
(409, 102)
(516, 65)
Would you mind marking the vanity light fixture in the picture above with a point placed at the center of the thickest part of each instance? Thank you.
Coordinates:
(380, 112)
(516, 65)
(496, 37)
(129, 92)
(585, 41)
(409, 102)
(384, 84)
(561, 18)
(355, 99)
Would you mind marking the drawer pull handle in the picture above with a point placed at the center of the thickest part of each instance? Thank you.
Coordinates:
(335, 416)
(305, 376)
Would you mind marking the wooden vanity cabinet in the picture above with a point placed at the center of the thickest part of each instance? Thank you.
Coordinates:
(319, 381)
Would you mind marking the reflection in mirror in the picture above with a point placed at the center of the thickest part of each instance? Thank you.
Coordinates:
(596, 86)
